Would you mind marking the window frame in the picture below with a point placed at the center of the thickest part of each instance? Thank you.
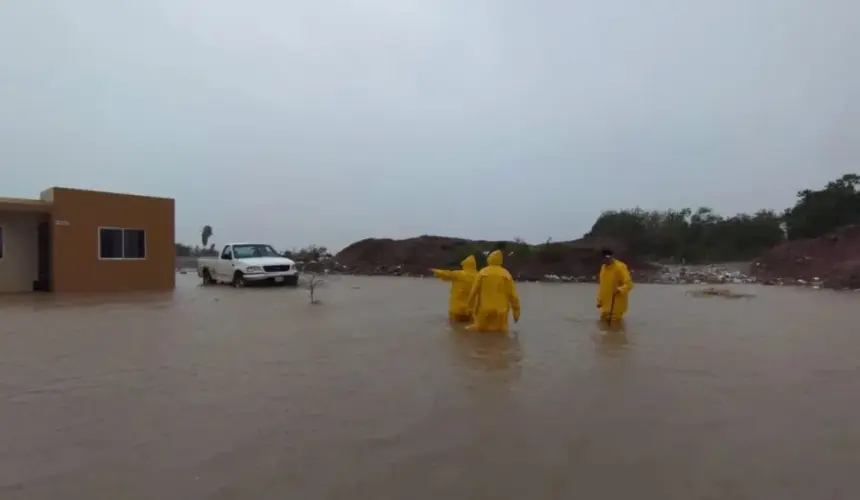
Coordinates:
(122, 231)
(2, 242)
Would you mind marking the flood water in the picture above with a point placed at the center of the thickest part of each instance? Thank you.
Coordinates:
(216, 393)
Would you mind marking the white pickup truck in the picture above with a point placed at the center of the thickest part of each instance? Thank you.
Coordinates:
(242, 263)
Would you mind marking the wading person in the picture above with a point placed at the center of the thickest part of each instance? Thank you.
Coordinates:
(614, 287)
(493, 297)
(461, 285)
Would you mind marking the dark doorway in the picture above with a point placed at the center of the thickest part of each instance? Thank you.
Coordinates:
(43, 283)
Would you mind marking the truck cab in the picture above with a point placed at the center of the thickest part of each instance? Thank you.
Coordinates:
(240, 264)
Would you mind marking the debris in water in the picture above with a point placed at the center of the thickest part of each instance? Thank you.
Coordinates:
(719, 292)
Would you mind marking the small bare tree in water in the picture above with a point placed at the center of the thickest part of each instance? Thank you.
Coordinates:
(314, 278)
(313, 282)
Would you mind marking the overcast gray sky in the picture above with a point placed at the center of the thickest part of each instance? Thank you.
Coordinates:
(327, 122)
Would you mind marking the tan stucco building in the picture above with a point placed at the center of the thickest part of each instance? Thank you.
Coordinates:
(92, 241)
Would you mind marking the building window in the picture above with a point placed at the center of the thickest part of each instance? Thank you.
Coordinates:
(134, 243)
(122, 244)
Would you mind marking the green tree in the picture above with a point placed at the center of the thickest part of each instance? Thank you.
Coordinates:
(206, 234)
(308, 254)
(818, 212)
(182, 250)
(691, 236)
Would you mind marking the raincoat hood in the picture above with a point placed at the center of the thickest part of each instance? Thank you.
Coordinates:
(469, 264)
(495, 258)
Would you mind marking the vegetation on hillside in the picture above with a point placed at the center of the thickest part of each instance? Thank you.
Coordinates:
(691, 236)
(818, 212)
(702, 235)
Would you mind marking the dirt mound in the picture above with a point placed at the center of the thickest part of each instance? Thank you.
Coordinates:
(833, 258)
(571, 260)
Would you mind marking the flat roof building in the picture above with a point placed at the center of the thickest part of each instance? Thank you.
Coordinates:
(75, 240)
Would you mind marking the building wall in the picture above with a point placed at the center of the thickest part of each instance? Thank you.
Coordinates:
(19, 265)
(76, 218)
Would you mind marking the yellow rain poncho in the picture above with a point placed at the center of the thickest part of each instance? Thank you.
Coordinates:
(461, 285)
(493, 296)
(614, 282)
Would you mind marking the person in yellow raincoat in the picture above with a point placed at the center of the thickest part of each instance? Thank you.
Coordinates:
(493, 296)
(461, 284)
(615, 285)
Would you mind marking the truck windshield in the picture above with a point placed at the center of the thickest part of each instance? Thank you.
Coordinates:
(251, 251)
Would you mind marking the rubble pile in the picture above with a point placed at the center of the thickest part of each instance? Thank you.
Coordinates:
(638, 276)
(815, 282)
(697, 275)
(831, 261)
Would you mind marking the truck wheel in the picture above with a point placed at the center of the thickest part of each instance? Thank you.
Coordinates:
(238, 279)
(291, 280)
(207, 277)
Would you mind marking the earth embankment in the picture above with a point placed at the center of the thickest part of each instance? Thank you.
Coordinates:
(833, 259)
(577, 260)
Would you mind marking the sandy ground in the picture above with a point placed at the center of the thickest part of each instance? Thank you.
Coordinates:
(217, 393)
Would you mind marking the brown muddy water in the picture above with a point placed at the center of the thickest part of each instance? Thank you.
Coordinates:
(216, 393)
